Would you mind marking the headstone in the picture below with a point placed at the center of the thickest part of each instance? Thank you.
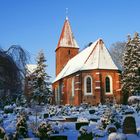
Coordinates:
(128, 111)
(86, 137)
(46, 115)
(93, 119)
(92, 111)
(129, 125)
(71, 119)
(79, 124)
(58, 137)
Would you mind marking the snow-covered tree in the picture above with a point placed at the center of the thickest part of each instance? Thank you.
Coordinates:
(131, 67)
(41, 84)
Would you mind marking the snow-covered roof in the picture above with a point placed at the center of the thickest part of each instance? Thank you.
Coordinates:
(66, 37)
(31, 68)
(96, 56)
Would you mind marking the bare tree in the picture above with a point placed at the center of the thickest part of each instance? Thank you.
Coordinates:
(117, 50)
(12, 72)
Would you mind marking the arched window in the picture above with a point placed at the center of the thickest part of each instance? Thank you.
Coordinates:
(107, 81)
(72, 87)
(88, 85)
(108, 85)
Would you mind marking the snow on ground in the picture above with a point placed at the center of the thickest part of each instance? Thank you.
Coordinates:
(101, 120)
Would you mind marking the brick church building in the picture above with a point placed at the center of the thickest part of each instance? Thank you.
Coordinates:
(88, 76)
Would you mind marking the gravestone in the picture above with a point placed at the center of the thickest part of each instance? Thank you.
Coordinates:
(93, 119)
(58, 137)
(86, 137)
(129, 125)
(79, 124)
(129, 112)
(46, 115)
(91, 111)
(71, 119)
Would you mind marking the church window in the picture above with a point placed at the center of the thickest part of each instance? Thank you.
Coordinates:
(72, 87)
(108, 85)
(88, 85)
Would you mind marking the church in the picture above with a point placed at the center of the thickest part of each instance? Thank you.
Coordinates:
(87, 76)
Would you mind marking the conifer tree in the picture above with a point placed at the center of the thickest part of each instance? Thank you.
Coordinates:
(41, 84)
(131, 67)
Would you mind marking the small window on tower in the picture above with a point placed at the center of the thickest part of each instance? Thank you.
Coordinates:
(68, 52)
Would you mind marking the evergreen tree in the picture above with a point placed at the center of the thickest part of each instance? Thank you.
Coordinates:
(131, 67)
(41, 84)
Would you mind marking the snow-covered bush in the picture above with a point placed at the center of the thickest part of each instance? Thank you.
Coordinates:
(117, 136)
(21, 127)
(121, 136)
(112, 136)
(9, 137)
(44, 130)
(111, 117)
(85, 133)
(2, 133)
(57, 127)
(105, 122)
(8, 109)
(134, 99)
(98, 133)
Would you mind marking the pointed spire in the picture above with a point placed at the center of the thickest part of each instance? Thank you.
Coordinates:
(67, 18)
(66, 37)
(66, 13)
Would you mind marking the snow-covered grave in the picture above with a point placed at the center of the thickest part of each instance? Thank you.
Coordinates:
(103, 122)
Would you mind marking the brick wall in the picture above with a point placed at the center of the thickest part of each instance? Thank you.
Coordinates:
(63, 55)
(98, 86)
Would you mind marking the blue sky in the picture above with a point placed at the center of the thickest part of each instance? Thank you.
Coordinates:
(37, 24)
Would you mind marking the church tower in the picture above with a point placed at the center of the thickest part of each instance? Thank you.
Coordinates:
(67, 47)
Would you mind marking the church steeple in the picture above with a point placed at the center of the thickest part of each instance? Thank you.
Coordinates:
(66, 37)
(67, 46)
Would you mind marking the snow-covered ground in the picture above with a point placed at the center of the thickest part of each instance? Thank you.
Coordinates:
(63, 120)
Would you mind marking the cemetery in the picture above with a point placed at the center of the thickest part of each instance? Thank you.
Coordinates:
(84, 122)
